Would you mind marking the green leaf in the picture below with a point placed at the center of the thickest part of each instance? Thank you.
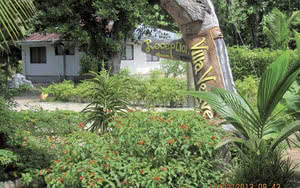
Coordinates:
(288, 131)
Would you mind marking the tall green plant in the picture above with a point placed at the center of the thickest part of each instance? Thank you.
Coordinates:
(256, 127)
(278, 28)
(109, 97)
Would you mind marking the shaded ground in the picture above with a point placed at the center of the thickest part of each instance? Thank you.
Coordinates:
(33, 102)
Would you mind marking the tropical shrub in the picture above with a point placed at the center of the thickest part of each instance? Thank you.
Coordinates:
(31, 141)
(41, 122)
(248, 88)
(278, 28)
(109, 98)
(245, 62)
(88, 63)
(149, 91)
(144, 149)
(292, 99)
(257, 127)
(270, 169)
(172, 67)
(6, 123)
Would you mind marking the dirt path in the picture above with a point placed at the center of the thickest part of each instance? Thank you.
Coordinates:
(33, 102)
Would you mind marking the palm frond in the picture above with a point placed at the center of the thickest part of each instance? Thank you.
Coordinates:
(294, 18)
(13, 16)
(273, 85)
(231, 107)
(288, 131)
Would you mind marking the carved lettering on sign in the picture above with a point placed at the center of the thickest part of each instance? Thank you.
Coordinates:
(168, 49)
(198, 57)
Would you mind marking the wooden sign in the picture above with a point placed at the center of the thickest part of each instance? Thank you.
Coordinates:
(168, 49)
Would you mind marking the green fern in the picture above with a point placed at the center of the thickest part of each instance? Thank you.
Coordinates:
(278, 28)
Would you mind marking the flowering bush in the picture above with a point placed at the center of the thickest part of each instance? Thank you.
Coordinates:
(173, 149)
(30, 140)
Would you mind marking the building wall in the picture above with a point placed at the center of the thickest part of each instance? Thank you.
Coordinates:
(139, 64)
(54, 64)
(53, 69)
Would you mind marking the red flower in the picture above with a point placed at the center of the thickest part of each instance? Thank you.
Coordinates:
(92, 185)
(141, 142)
(142, 172)
(184, 126)
(81, 125)
(157, 178)
(213, 137)
(100, 179)
(171, 141)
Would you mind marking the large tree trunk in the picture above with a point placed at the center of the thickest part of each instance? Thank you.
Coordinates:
(115, 63)
(190, 85)
(200, 28)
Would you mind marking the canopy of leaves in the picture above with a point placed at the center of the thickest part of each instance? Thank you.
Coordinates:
(99, 26)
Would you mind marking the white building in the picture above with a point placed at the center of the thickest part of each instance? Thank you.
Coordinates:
(44, 60)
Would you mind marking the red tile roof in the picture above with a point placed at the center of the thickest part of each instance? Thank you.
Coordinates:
(42, 37)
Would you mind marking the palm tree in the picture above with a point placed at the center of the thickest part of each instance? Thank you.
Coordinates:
(278, 28)
(13, 17)
(256, 126)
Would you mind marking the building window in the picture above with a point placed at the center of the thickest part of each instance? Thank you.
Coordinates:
(38, 55)
(128, 52)
(59, 50)
(152, 58)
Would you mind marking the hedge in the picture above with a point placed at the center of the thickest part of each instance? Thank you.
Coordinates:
(245, 62)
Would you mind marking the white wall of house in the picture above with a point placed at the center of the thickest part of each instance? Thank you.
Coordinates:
(54, 63)
(53, 68)
(139, 64)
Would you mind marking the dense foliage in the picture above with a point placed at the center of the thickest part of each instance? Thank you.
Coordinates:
(257, 126)
(145, 149)
(24, 140)
(155, 90)
(242, 21)
(245, 62)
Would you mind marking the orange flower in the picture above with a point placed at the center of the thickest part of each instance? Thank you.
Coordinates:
(142, 172)
(81, 125)
(141, 142)
(223, 137)
(92, 185)
(41, 172)
(157, 178)
(213, 137)
(100, 179)
(171, 141)
(163, 169)
(184, 126)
